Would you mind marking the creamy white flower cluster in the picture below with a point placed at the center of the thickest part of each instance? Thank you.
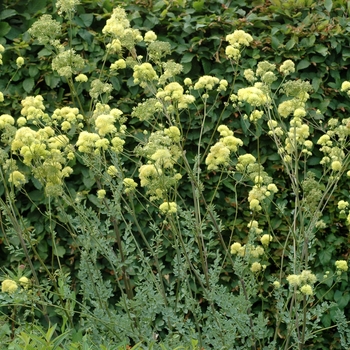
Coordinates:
(162, 152)
(118, 27)
(238, 40)
(219, 154)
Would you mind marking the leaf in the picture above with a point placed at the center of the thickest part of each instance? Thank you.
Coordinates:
(341, 299)
(325, 256)
(33, 71)
(290, 44)
(7, 13)
(187, 57)
(28, 84)
(37, 6)
(275, 43)
(328, 4)
(303, 64)
(198, 5)
(321, 49)
(4, 28)
(52, 81)
(87, 19)
(87, 36)
(59, 251)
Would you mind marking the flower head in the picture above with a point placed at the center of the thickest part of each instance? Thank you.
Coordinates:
(8, 286)
(239, 37)
(306, 289)
(19, 62)
(341, 265)
(168, 208)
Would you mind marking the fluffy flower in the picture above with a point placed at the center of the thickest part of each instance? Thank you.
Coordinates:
(255, 204)
(105, 124)
(150, 36)
(67, 62)
(287, 67)
(219, 155)
(235, 247)
(8, 286)
(168, 208)
(276, 284)
(174, 133)
(239, 37)
(19, 62)
(266, 239)
(66, 5)
(232, 52)
(117, 24)
(119, 64)
(17, 178)
(345, 86)
(293, 280)
(249, 75)
(336, 165)
(252, 95)
(341, 265)
(245, 160)
(112, 171)
(144, 73)
(101, 194)
(256, 267)
(24, 281)
(206, 82)
(130, 185)
(81, 78)
(342, 205)
(306, 289)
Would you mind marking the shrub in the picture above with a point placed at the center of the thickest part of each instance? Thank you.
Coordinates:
(165, 209)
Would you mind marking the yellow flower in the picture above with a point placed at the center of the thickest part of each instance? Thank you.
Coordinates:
(239, 37)
(101, 194)
(342, 205)
(24, 281)
(345, 86)
(17, 178)
(81, 78)
(255, 205)
(119, 64)
(129, 184)
(8, 286)
(341, 265)
(293, 280)
(266, 239)
(306, 289)
(20, 62)
(235, 247)
(276, 284)
(219, 155)
(150, 36)
(112, 171)
(168, 208)
(252, 95)
(272, 187)
(336, 165)
(256, 267)
(287, 67)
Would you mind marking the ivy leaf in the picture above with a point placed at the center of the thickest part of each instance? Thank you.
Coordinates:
(328, 4)
(28, 84)
(4, 28)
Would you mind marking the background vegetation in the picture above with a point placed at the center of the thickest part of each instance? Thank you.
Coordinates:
(314, 34)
